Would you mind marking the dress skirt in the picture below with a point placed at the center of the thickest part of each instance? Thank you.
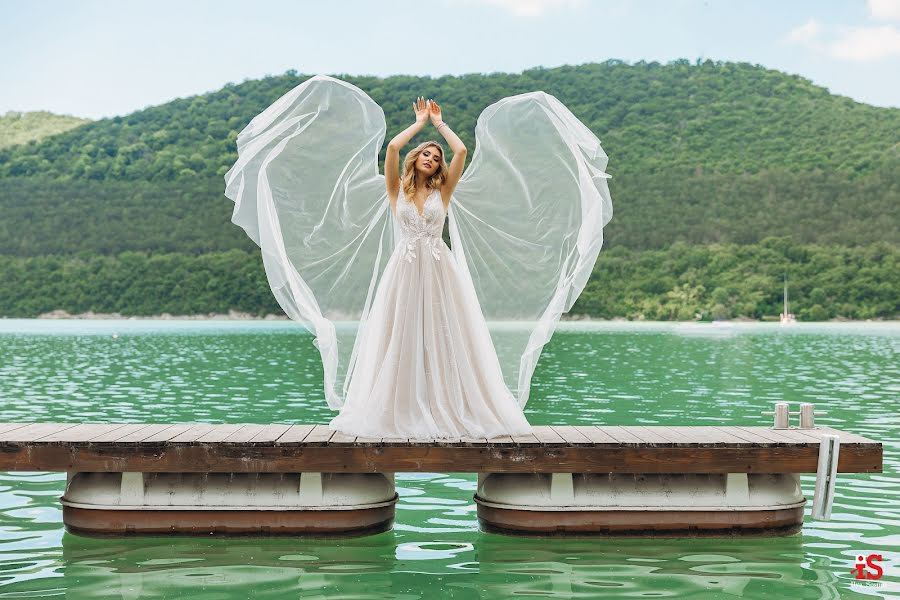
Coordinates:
(426, 366)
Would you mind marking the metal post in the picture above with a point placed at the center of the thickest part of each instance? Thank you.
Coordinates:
(826, 474)
(807, 416)
(782, 416)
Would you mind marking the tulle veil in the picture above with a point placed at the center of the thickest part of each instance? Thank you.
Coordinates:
(526, 219)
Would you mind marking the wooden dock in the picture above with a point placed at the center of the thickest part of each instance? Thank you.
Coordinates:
(283, 448)
(194, 478)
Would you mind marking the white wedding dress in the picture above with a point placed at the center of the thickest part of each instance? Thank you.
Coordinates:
(426, 366)
(418, 339)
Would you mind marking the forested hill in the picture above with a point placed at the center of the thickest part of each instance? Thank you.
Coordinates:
(22, 127)
(701, 153)
(726, 178)
(714, 117)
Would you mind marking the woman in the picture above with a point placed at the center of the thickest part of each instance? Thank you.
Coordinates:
(399, 318)
(426, 366)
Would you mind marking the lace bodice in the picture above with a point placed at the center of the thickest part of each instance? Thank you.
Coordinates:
(427, 226)
(431, 219)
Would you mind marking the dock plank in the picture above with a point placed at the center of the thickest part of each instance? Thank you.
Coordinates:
(369, 441)
(166, 434)
(501, 440)
(649, 435)
(748, 436)
(34, 432)
(547, 437)
(526, 440)
(341, 439)
(790, 435)
(847, 437)
(571, 435)
(473, 441)
(320, 435)
(272, 432)
(84, 432)
(394, 440)
(138, 435)
(622, 434)
(677, 437)
(767, 433)
(282, 448)
(447, 441)
(595, 434)
(708, 435)
(117, 434)
(219, 433)
(4, 427)
(244, 434)
(305, 434)
(421, 442)
(192, 434)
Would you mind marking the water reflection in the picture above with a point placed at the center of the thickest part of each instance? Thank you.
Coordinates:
(492, 566)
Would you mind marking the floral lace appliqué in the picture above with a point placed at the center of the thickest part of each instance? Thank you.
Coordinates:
(427, 226)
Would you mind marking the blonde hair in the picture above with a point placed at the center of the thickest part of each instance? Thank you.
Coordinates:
(408, 178)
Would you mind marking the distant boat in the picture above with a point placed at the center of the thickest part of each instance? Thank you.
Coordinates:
(787, 317)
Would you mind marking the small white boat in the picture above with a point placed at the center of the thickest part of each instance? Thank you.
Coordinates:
(787, 317)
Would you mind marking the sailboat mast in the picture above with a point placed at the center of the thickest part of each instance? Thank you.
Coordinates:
(785, 296)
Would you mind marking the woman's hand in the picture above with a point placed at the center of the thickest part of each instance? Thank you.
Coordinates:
(421, 108)
(435, 114)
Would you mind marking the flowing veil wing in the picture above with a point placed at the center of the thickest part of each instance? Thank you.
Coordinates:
(307, 190)
(526, 223)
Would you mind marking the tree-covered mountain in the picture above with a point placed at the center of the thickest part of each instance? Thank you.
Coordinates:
(704, 153)
(682, 282)
(193, 216)
(23, 127)
(719, 117)
(712, 153)
(711, 117)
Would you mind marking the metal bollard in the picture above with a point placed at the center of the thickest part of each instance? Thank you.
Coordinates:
(782, 416)
(807, 415)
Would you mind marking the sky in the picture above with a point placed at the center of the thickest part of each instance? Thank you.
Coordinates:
(102, 58)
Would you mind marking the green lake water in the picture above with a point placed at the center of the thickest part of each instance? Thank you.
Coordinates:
(590, 373)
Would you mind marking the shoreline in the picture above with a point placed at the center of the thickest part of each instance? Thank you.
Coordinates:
(231, 315)
(234, 315)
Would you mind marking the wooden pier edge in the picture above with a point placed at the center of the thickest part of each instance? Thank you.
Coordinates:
(338, 477)
(200, 448)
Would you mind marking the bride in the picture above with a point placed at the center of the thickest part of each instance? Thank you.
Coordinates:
(401, 319)
(426, 365)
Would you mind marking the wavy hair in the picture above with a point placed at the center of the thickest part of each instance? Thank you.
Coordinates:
(408, 179)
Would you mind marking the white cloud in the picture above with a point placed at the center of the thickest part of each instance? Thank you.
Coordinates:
(858, 44)
(806, 33)
(885, 10)
(531, 8)
(867, 43)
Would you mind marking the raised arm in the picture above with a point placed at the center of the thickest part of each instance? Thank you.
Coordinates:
(392, 158)
(459, 153)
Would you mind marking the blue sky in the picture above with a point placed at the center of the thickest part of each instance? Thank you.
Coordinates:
(99, 58)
